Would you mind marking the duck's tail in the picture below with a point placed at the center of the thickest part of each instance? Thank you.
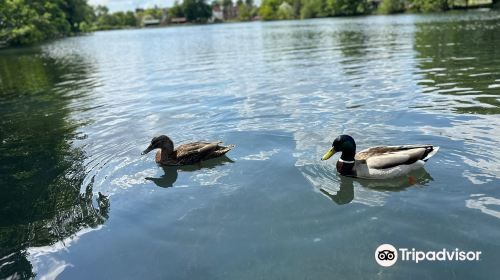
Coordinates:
(222, 150)
(431, 153)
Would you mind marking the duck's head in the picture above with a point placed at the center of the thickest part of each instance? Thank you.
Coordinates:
(160, 142)
(345, 144)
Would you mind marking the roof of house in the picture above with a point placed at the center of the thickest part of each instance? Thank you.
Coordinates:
(179, 20)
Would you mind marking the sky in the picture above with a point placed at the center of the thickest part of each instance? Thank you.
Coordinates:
(130, 5)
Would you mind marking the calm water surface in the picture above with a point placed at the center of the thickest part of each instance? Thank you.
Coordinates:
(76, 113)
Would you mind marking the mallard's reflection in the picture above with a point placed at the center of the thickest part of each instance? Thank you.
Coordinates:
(171, 173)
(344, 193)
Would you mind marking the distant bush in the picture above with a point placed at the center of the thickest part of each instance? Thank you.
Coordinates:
(196, 10)
(427, 6)
(347, 7)
(314, 9)
(285, 11)
(266, 11)
(390, 7)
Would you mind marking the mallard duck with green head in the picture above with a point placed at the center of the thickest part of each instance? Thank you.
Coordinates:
(186, 154)
(380, 162)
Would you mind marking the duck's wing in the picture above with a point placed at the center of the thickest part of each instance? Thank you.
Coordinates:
(390, 156)
(196, 148)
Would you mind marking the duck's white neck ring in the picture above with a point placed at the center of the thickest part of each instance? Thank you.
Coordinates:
(346, 161)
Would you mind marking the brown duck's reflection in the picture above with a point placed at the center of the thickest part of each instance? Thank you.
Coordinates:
(171, 173)
(345, 192)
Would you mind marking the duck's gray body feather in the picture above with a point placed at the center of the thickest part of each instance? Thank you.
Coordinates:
(391, 161)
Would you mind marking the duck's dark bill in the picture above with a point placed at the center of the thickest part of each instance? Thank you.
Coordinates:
(328, 154)
(146, 151)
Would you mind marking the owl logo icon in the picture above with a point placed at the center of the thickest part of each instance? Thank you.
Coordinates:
(386, 255)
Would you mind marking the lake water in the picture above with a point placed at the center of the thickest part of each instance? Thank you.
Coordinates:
(77, 112)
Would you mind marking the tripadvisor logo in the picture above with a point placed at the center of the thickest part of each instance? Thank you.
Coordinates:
(387, 255)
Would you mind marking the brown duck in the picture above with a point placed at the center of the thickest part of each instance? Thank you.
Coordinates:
(185, 154)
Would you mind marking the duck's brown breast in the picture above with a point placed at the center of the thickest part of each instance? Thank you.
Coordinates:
(346, 168)
(158, 156)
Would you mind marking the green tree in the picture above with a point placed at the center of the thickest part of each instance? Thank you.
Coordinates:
(77, 12)
(390, 7)
(427, 6)
(154, 12)
(104, 20)
(297, 5)
(196, 10)
(285, 11)
(266, 12)
(269, 9)
(130, 19)
(176, 11)
(100, 10)
(314, 9)
(29, 21)
(347, 7)
(244, 12)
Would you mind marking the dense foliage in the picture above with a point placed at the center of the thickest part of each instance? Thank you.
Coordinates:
(103, 20)
(431, 5)
(390, 7)
(176, 11)
(31, 21)
(282, 9)
(192, 10)
(246, 10)
(24, 22)
(196, 10)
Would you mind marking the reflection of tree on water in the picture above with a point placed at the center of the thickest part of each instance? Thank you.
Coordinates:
(353, 44)
(354, 47)
(41, 172)
(344, 192)
(76, 214)
(460, 61)
(172, 172)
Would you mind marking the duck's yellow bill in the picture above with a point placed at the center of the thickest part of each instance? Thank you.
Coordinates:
(329, 154)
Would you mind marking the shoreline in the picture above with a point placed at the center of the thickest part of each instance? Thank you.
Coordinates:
(489, 8)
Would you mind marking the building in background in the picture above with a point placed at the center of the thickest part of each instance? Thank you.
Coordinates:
(149, 21)
(217, 14)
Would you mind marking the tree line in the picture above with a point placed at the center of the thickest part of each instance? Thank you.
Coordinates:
(30, 21)
(25, 22)
(303, 9)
